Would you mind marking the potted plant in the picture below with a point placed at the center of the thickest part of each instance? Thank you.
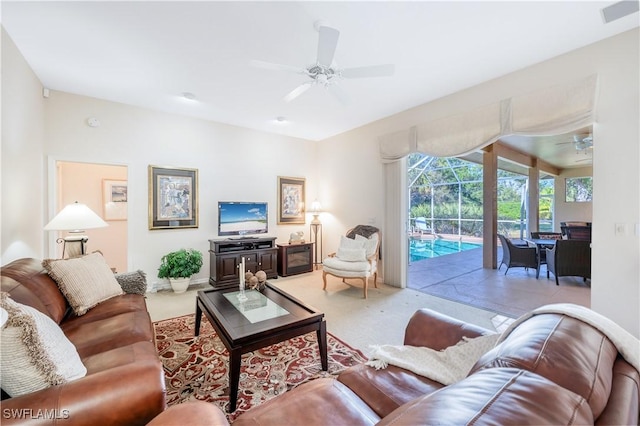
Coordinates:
(179, 266)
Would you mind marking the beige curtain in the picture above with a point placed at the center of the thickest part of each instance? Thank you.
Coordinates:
(394, 240)
(554, 110)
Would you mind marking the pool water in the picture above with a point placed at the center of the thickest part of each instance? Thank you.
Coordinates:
(427, 249)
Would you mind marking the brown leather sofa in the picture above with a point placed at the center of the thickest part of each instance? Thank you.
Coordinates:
(124, 384)
(552, 369)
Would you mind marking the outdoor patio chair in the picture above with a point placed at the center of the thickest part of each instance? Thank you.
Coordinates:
(356, 257)
(518, 257)
(576, 230)
(542, 254)
(421, 226)
(570, 258)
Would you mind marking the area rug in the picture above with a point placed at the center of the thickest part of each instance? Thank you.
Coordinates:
(197, 368)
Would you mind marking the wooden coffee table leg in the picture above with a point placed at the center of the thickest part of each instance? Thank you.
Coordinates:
(322, 344)
(235, 358)
(198, 318)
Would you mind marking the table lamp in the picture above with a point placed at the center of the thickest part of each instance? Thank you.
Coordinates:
(75, 218)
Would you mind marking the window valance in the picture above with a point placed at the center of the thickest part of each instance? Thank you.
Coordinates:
(553, 110)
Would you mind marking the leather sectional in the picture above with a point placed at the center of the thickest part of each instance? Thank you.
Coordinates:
(552, 369)
(124, 383)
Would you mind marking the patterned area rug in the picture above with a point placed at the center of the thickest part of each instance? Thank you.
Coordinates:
(197, 368)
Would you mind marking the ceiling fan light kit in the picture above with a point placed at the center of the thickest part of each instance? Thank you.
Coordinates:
(323, 72)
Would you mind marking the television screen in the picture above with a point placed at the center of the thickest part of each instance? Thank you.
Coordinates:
(242, 218)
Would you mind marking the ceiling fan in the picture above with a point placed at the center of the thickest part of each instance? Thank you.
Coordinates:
(324, 72)
(581, 142)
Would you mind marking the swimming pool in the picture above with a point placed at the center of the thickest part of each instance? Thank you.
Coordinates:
(427, 249)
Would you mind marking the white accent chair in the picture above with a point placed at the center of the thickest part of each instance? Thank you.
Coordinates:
(356, 258)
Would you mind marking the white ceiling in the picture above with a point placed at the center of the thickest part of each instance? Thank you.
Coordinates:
(149, 53)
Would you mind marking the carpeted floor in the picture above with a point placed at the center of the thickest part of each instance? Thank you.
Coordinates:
(197, 368)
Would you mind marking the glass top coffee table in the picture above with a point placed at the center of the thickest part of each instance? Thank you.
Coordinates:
(263, 319)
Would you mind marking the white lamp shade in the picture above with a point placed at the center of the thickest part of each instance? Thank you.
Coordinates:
(75, 217)
(316, 207)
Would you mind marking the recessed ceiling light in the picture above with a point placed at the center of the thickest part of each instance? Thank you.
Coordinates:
(281, 120)
(188, 95)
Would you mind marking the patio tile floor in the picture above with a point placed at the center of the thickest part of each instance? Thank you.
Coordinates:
(461, 278)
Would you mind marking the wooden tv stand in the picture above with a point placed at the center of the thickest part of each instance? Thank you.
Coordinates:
(225, 257)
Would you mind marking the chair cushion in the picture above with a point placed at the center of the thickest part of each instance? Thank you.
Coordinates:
(84, 281)
(550, 236)
(35, 352)
(341, 265)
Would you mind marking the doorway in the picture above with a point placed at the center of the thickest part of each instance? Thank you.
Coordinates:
(104, 189)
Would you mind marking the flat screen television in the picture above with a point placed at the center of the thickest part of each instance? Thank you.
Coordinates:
(242, 218)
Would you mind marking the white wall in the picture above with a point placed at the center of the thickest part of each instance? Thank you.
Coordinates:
(233, 163)
(616, 259)
(23, 201)
(570, 212)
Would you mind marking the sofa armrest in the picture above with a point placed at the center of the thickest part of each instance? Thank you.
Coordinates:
(438, 331)
(126, 395)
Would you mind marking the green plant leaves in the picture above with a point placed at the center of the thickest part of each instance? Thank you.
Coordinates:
(180, 264)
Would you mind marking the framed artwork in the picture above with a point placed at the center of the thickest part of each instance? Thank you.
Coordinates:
(579, 190)
(114, 199)
(291, 200)
(173, 198)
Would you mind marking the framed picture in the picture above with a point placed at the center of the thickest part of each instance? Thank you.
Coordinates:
(291, 200)
(114, 199)
(173, 198)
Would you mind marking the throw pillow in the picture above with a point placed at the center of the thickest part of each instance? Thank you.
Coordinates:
(35, 352)
(550, 236)
(351, 255)
(370, 244)
(133, 282)
(348, 243)
(84, 281)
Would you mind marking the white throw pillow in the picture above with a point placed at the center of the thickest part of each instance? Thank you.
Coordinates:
(351, 255)
(348, 243)
(84, 281)
(35, 352)
(370, 244)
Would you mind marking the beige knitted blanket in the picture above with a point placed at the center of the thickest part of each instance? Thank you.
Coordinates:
(447, 366)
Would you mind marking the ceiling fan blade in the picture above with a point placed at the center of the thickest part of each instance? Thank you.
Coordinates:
(339, 93)
(297, 91)
(385, 70)
(327, 42)
(277, 67)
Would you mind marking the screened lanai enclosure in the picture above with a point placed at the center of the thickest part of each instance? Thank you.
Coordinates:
(446, 197)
